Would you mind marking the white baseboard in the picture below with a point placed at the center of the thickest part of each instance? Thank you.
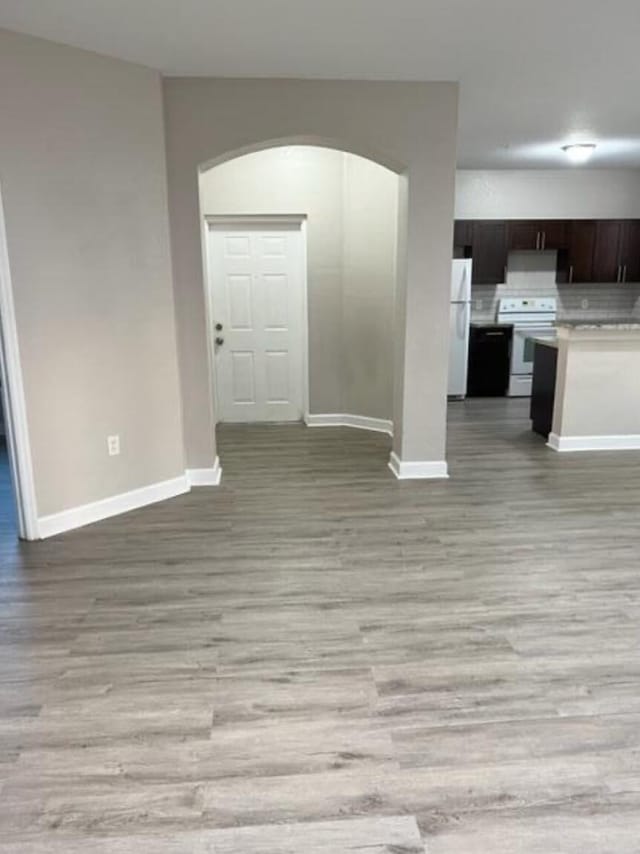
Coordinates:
(77, 517)
(564, 444)
(343, 419)
(205, 477)
(417, 469)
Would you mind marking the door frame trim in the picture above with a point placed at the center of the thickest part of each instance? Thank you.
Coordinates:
(13, 399)
(222, 221)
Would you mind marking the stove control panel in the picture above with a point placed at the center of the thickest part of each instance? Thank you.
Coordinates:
(527, 305)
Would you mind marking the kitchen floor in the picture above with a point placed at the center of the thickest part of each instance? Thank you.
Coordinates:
(318, 658)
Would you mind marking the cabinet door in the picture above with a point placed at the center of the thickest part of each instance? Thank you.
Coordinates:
(554, 234)
(575, 264)
(524, 234)
(462, 233)
(488, 361)
(538, 234)
(606, 253)
(489, 252)
(630, 251)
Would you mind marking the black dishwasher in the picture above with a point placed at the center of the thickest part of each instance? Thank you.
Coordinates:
(489, 359)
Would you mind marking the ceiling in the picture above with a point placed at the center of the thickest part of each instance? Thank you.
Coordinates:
(533, 75)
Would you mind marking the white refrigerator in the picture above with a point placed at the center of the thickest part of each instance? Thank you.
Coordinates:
(459, 319)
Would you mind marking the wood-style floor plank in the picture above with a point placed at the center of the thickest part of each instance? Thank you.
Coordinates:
(315, 657)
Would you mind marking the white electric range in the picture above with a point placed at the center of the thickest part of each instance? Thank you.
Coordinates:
(531, 317)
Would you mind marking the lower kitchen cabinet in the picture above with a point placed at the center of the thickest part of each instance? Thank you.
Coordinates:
(489, 360)
(543, 387)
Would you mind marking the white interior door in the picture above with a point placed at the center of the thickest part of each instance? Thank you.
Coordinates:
(257, 315)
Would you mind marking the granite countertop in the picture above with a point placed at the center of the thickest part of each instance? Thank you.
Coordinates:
(623, 323)
(490, 323)
(547, 342)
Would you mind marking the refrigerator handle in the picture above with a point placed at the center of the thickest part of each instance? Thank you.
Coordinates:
(463, 319)
(461, 285)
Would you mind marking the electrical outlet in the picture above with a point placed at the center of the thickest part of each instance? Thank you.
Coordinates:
(113, 445)
(479, 304)
(585, 303)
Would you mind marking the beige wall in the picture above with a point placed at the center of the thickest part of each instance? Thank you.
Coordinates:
(597, 384)
(351, 209)
(555, 193)
(410, 127)
(370, 231)
(83, 181)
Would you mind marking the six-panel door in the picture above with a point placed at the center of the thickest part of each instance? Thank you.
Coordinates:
(256, 282)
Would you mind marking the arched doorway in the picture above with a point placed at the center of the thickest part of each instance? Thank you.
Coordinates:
(343, 211)
(410, 129)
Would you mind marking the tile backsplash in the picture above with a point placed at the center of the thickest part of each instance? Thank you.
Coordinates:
(534, 274)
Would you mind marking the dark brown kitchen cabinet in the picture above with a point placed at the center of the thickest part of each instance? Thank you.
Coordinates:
(603, 251)
(462, 233)
(489, 252)
(630, 251)
(575, 263)
(606, 252)
(554, 234)
(537, 235)
(524, 235)
(616, 254)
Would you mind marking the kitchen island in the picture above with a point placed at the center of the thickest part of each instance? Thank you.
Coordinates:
(593, 394)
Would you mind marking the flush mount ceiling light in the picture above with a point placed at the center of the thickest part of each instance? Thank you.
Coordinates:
(580, 152)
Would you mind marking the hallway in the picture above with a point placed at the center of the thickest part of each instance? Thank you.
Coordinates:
(8, 522)
(318, 658)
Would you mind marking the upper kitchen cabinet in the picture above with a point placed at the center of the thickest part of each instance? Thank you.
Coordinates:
(486, 242)
(630, 251)
(537, 235)
(489, 252)
(606, 252)
(524, 235)
(462, 233)
(554, 234)
(575, 263)
(616, 254)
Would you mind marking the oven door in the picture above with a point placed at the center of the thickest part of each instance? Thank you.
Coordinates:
(523, 347)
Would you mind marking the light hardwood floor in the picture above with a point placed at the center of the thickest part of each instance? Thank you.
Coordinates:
(318, 658)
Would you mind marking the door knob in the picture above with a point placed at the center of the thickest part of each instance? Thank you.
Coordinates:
(219, 341)
(218, 327)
